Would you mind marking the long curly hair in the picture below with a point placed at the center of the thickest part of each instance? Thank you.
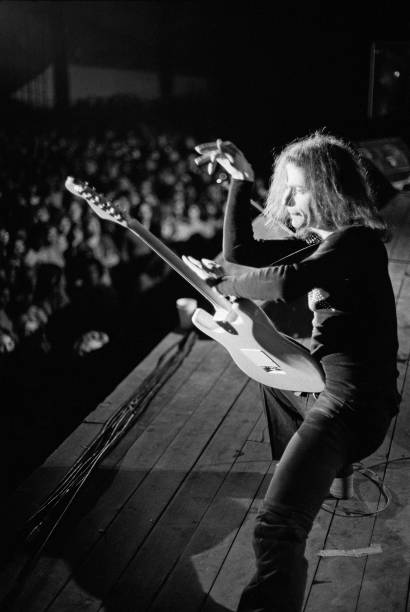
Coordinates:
(337, 179)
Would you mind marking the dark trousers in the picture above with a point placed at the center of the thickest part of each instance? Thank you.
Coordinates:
(323, 439)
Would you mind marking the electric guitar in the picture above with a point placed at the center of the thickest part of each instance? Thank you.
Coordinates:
(255, 345)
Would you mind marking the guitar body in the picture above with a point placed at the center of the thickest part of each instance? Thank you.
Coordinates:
(260, 351)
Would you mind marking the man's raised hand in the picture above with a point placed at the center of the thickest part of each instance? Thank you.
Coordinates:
(227, 155)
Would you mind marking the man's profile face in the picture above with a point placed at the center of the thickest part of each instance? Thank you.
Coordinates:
(298, 197)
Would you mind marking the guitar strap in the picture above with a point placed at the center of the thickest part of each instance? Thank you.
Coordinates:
(312, 239)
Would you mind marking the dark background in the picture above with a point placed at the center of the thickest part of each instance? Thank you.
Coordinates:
(274, 70)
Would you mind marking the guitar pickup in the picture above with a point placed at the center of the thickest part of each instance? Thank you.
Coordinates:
(263, 361)
(227, 327)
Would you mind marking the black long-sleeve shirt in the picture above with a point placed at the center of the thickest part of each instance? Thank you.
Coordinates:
(349, 291)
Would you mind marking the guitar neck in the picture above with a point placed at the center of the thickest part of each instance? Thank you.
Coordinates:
(217, 300)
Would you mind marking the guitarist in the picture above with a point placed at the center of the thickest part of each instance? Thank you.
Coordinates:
(319, 189)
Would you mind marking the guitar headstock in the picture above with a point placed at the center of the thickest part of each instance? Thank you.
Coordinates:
(99, 203)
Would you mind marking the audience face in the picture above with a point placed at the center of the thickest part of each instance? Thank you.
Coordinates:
(7, 344)
(53, 236)
(93, 274)
(75, 211)
(20, 248)
(31, 321)
(4, 237)
(146, 188)
(179, 206)
(65, 225)
(145, 212)
(4, 297)
(94, 226)
(42, 214)
(34, 197)
(77, 235)
(194, 213)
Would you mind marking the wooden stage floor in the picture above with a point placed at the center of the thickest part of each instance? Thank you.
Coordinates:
(164, 522)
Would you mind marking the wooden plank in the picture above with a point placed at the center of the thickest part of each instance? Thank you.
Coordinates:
(260, 432)
(127, 387)
(327, 529)
(25, 501)
(386, 581)
(201, 351)
(318, 539)
(32, 491)
(133, 483)
(224, 570)
(337, 581)
(239, 565)
(193, 575)
(40, 484)
(155, 561)
(151, 499)
(98, 486)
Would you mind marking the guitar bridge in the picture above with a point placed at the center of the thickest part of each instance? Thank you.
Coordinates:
(263, 361)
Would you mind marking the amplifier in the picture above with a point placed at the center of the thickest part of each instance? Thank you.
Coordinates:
(391, 156)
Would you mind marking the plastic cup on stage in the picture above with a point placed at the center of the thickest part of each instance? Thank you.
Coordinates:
(186, 308)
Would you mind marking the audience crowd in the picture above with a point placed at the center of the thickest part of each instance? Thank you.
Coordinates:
(66, 276)
(53, 248)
